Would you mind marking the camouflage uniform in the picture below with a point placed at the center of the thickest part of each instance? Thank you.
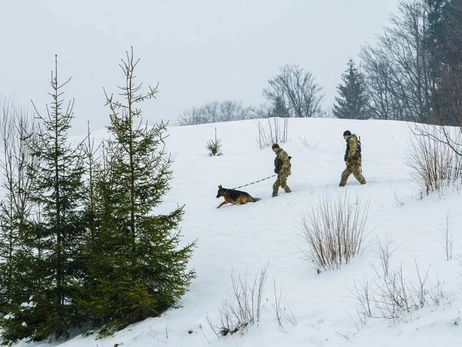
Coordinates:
(282, 168)
(352, 161)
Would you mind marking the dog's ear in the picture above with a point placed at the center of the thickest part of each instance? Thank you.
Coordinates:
(219, 186)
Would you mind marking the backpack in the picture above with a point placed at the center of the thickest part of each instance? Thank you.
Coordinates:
(358, 150)
(278, 164)
(357, 155)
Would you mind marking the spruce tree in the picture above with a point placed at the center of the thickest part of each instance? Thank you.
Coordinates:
(136, 267)
(14, 209)
(279, 108)
(54, 227)
(352, 102)
(444, 45)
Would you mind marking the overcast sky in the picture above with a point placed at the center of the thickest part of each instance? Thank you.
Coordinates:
(198, 50)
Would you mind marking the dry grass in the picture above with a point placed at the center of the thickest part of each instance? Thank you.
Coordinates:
(334, 231)
(434, 165)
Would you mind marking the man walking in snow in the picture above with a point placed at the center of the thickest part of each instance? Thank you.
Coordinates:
(282, 168)
(352, 159)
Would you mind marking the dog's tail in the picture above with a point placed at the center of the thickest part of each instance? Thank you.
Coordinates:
(257, 199)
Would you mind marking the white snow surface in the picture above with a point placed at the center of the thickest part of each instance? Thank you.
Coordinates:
(244, 239)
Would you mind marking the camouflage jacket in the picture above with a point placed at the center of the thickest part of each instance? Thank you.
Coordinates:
(353, 149)
(282, 162)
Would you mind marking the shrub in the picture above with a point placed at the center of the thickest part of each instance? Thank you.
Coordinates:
(244, 306)
(392, 296)
(273, 133)
(434, 165)
(334, 231)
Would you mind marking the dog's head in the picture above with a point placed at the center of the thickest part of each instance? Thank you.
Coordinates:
(221, 191)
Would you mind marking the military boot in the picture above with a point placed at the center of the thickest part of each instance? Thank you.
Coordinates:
(287, 190)
(275, 193)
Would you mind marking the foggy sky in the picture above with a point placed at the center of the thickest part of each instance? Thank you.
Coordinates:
(197, 50)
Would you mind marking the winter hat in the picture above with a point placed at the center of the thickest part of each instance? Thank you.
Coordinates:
(347, 133)
(275, 145)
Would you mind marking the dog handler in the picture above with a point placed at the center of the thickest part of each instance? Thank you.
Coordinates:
(282, 168)
(352, 159)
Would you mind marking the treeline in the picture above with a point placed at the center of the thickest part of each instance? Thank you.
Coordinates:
(79, 243)
(413, 73)
(292, 93)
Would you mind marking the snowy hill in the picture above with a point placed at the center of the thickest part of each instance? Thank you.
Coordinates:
(239, 241)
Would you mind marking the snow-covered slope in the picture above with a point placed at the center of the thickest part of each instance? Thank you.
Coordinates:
(245, 239)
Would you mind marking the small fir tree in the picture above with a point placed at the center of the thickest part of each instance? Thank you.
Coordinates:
(49, 260)
(136, 267)
(352, 102)
(214, 146)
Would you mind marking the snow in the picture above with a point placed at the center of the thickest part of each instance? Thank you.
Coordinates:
(243, 240)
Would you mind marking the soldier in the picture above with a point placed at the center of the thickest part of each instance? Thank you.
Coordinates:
(282, 168)
(352, 159)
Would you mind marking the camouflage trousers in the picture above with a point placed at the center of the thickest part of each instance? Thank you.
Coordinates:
(355, 169)
(281, 181)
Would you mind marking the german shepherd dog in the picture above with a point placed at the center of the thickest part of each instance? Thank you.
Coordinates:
(234, 196)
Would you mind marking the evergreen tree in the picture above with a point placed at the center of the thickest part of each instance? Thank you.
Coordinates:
(352, 102)
(279, 108)
(90, 151)
(444, 45)
(54, 228)
(434, 41)
(301, 94)
(136, 268)
(14, 209)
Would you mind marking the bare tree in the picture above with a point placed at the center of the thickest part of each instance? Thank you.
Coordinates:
(191, 117)
(214, 112)
(384, 103)
(398, 69)
(232, 110)
(297, 90)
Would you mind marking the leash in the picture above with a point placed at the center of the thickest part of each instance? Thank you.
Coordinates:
(248, 184)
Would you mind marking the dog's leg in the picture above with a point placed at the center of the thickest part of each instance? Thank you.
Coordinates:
(249, 198)
(224, 202)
